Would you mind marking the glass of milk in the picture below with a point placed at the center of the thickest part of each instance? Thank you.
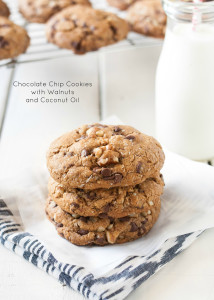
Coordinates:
(185, 80)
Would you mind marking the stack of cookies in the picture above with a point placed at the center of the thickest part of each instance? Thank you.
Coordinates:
(105, 184)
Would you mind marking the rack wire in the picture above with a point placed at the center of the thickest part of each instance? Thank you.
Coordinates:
(40, 49)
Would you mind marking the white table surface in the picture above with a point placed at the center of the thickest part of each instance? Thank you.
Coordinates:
(126, 89)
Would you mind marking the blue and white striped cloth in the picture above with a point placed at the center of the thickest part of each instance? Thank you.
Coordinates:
(116, 284)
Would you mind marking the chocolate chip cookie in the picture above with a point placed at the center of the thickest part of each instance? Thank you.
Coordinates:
(14, 39)
(100, 156)
(117, 202)
(84, 29)
(101, 231)
(121, 4)
(4, 10)
(147, 17)
(40, 11)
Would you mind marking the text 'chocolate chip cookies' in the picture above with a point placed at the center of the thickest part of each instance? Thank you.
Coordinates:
(82, 29)
(106, 184)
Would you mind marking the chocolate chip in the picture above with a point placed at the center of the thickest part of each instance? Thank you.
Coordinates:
(85, 152)
(56, 7)
(106, 172)
(74, 204)
(3, 42)
(103, 216)
(100, 241)
(59, 225)
(75, 22)
(133, 227)
(91, 195)
(83, 219)
(125, 219)
(109, 177)
(106, 208)
(162, 178)
(118, 177)
(114, 29)
(141, 191)
(144, 222)
(139, 165)
(61, 234)
(5, 25)
(82, 232)
(76, 45)
(111, 219)
(117, 129)
(130, 137)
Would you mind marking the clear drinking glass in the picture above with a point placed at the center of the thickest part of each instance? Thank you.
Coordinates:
(184, 80)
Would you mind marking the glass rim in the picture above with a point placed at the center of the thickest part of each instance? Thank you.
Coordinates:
(184, 10)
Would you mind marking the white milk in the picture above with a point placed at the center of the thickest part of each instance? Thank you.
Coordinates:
(185, 91)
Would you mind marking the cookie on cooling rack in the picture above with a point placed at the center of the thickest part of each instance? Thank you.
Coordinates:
(101, 231)
(14, 39)
(121, 4)
(147, 17)
(83, 29)
(4, 10)
(40, 11)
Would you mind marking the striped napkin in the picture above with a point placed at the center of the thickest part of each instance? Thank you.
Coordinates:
(115, 284)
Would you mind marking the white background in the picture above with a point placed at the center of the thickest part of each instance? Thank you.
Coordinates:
(123, 84)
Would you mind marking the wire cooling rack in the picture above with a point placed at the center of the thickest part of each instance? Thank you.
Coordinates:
(40, 49)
